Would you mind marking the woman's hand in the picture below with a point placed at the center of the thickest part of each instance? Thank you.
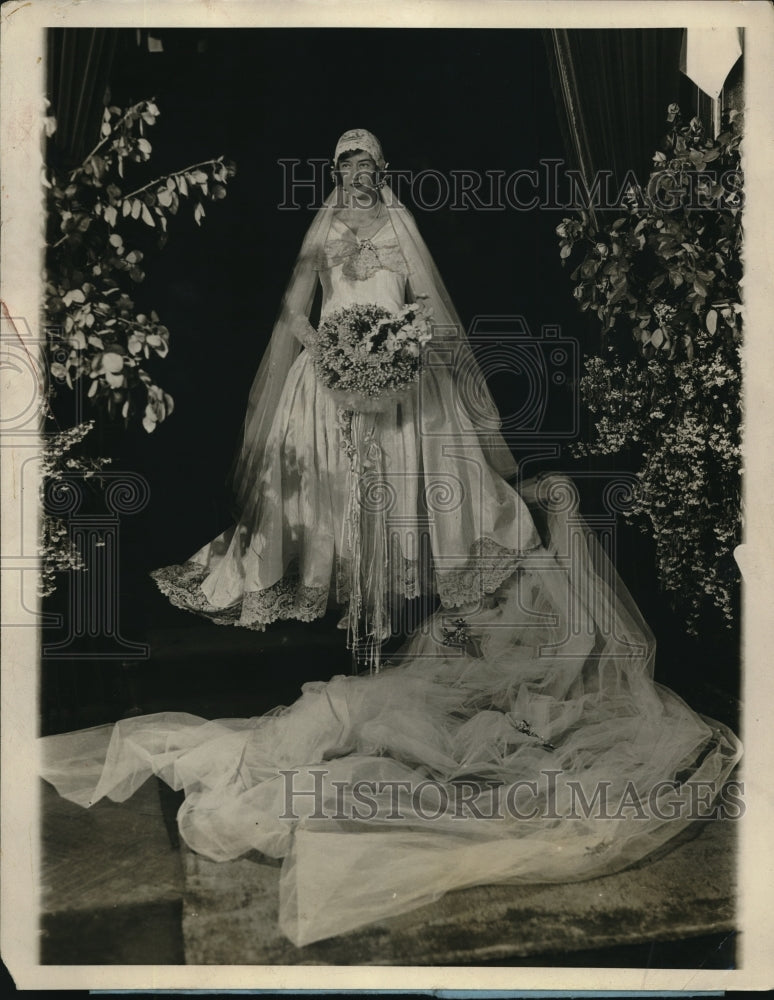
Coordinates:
(301, 328)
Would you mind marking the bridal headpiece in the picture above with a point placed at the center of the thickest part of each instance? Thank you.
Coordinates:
(360, 138)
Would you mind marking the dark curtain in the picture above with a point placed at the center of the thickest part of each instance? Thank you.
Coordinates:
(612, 88)
(79, 63)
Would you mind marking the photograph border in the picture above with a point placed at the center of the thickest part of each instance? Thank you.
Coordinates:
(22, 90)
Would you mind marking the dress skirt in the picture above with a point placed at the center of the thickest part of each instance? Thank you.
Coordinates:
(434, 517)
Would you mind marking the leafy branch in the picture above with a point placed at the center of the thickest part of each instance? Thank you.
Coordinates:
(95, 331)
(96, 335)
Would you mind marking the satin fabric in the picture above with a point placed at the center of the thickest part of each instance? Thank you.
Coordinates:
(428, 488)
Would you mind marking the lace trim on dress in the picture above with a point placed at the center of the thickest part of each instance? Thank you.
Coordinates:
(489, 565)
(181, 584)
(404, 578)
(287, 598)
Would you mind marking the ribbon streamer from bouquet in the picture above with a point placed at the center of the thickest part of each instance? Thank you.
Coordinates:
(368, 564)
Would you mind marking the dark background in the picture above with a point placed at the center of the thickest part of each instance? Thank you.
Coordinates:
(445, 99)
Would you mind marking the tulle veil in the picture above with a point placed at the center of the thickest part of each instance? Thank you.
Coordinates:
(537, 748)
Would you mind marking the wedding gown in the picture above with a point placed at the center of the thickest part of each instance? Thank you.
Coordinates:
(519, 739)
(428, 487)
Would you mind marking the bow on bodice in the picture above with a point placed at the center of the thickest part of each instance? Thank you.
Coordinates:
(362, 258)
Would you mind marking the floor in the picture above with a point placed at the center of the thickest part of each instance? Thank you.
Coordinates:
(118, 888)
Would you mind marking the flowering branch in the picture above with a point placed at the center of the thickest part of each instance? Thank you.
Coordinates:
(664, 281)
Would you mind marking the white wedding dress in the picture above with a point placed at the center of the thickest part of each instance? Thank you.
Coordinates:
(427, 486)
(536, 749)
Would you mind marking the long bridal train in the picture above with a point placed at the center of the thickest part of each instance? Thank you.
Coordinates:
(536, 747)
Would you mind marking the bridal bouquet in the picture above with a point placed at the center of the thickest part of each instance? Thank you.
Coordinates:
(367, 356)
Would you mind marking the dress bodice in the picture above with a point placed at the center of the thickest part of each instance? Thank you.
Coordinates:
(354, 270)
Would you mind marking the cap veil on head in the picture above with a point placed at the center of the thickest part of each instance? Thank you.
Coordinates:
(360, 138)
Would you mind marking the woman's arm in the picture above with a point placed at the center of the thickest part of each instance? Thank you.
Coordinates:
(300, 323)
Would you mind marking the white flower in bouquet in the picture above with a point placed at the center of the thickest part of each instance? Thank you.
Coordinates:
(369, 357)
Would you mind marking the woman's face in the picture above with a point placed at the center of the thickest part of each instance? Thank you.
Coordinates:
(357, 172)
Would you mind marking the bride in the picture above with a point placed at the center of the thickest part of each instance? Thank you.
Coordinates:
(516, 736)
(291, 554)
